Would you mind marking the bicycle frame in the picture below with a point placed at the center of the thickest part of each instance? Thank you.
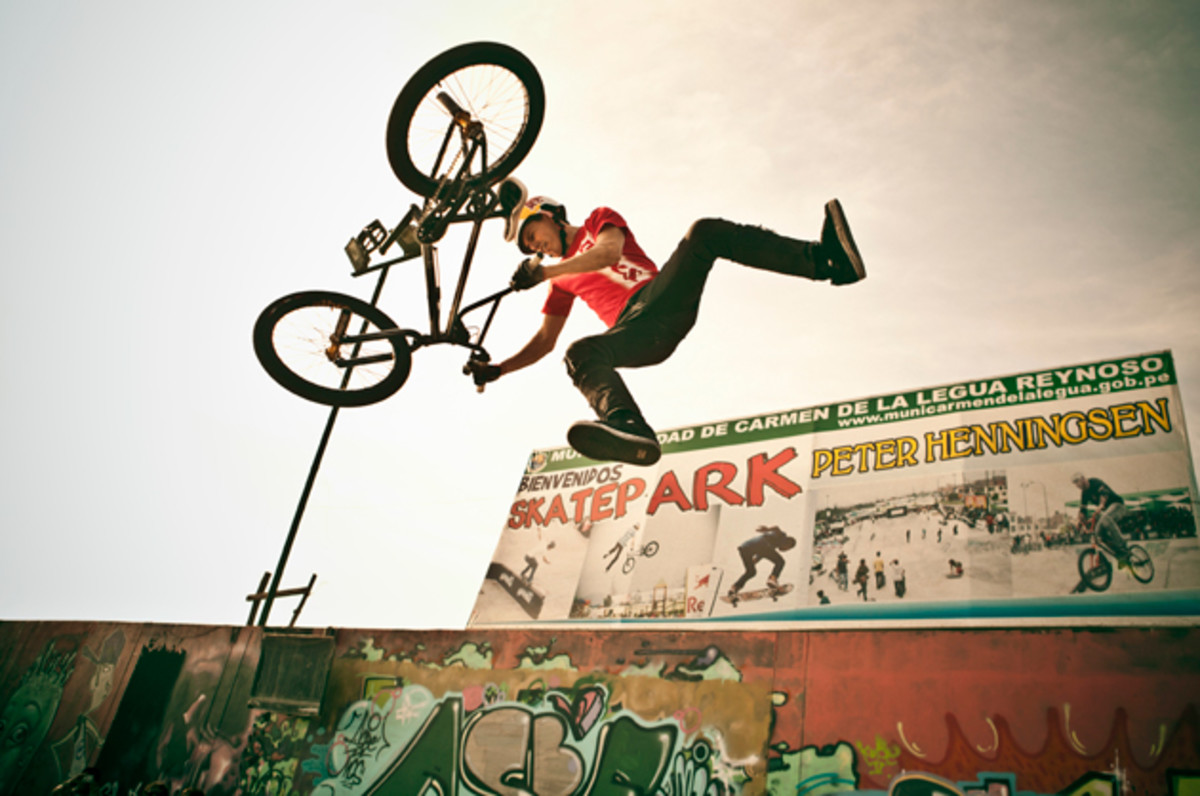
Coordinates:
(459, 199)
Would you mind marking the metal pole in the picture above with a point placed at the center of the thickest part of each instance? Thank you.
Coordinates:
(308, 484)
(291, 537)
(254, 598)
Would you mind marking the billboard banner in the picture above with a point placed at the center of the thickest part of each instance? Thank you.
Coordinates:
(1066, 492)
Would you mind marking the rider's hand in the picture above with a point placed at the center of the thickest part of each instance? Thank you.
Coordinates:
(482, 372)
(528, 274)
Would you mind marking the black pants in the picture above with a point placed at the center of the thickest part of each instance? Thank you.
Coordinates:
(1109, 528)
(750, 561)
(531, 565)
(661, 314)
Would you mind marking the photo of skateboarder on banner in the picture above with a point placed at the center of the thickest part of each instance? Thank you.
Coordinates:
(765, 545)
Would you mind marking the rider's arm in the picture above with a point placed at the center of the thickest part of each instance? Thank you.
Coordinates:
(541, 344)
(606, 252)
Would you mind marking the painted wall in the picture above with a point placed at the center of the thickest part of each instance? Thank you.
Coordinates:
(654, 712)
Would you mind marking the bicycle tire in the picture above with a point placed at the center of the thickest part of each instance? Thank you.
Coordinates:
(497, 84)
(1095, 569)
(1140, 564)
(627, 567)
(650, 549)
(292, 341)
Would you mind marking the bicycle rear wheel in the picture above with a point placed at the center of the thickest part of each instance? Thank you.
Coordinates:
(1095, 569)
(1140, 563)
(306, 342)
(494, 83)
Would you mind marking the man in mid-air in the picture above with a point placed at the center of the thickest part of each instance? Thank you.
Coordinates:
(648, 311)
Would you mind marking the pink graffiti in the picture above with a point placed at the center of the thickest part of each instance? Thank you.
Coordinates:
(688, 719)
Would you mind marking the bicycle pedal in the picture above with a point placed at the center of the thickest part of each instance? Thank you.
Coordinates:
(359, 258)
(372, 236)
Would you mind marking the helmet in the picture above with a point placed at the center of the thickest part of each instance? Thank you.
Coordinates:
(527, 209)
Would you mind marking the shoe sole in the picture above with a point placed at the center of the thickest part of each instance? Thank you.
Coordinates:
(845, 237)
(599, 442)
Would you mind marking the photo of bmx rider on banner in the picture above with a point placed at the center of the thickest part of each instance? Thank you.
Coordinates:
(1022, 533)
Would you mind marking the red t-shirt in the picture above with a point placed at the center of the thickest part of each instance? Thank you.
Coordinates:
(608, 290)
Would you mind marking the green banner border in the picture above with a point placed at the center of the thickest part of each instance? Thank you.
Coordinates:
(1101, 377)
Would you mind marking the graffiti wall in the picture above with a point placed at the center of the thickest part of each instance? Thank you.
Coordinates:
(659, 712)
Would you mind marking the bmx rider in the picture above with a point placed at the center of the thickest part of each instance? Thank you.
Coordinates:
(648, 311)
(1111, 510)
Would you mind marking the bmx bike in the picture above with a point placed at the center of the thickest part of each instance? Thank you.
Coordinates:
(1094, 566)
(647, 550)
(460, 125)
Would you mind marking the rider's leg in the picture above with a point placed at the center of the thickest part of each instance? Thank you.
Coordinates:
(681, 280)
(592, 363)
(664, 311)
(776, 571)
(751, 569)
(1109, 528)
(680, 283)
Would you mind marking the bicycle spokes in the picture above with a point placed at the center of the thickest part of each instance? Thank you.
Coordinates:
(1140, 564)
(316, 342)
(1095, 569)
(475, 101)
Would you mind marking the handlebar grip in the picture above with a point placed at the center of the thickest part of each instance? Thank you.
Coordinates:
(452, 107)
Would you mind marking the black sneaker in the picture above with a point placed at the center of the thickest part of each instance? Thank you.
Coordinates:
(626, 439)
(837, 244)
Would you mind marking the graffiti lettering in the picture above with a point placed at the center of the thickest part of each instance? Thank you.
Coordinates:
(504, 749)
(633, 759)
(511, 752)
(880, 756)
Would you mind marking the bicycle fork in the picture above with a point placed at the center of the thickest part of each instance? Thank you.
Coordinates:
(340, 337)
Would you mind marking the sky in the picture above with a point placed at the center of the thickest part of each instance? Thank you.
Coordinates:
(1023, 179)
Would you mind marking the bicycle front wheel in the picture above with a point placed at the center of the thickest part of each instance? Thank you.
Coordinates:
(1095, 569)
(313, 344)
(1140, 563)
(495, 84)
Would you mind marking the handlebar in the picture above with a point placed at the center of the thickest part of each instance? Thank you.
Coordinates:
(478, 354)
